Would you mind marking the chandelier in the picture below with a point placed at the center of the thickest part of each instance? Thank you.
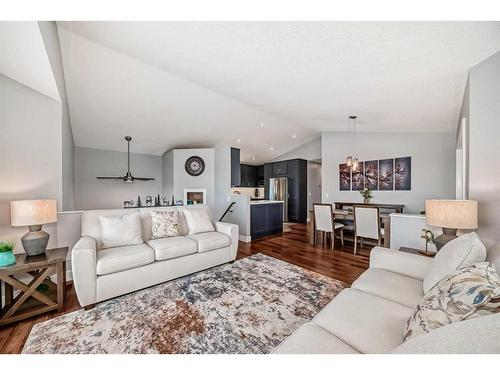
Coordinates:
(352, 161)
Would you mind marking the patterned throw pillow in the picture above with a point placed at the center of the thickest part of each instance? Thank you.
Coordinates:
(467, 293)
(165, 223)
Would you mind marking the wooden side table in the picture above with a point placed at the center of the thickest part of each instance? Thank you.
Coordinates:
(417, 252)
(30, 301)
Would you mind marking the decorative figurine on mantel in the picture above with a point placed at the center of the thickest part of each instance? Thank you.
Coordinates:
(428, 236)
(165, 201)
(128, 204)
(139, 204)
(149, 201)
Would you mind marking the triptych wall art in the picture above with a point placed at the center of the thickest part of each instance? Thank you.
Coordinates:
(386, 174)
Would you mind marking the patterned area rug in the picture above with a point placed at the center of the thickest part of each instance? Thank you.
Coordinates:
(249, 306)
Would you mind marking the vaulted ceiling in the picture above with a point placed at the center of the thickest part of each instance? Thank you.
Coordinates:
(265, 87)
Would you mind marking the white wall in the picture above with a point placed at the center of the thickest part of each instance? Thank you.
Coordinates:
(484, 142)
(308, 151)
(30, 157)
(91, 193)
(182, 180)
(433, 165)
(50, 37)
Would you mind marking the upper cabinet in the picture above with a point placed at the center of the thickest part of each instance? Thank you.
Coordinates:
(235, 167)
(280, 168)
(248, 175)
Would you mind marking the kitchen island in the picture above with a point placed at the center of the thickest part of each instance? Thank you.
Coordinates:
(266, 218)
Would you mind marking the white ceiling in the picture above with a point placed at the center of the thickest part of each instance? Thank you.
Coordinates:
(174, 84)
(23, 57)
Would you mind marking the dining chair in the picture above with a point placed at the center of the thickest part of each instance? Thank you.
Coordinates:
(367, 225)
(324, 222)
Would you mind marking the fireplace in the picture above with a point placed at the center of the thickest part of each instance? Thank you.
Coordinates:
(195, 196)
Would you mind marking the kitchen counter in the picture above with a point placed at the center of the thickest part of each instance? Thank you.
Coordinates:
(264, 201)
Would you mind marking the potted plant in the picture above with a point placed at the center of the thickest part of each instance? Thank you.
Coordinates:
(7, 256)
(367, 195)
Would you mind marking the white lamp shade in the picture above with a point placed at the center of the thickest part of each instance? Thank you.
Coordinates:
(453, 214)
(33, 212)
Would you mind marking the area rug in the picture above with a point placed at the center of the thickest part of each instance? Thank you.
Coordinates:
(249, 306)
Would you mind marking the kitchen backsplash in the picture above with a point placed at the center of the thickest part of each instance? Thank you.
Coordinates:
(249, 191)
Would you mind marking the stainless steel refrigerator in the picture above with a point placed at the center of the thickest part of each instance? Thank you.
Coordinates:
(278, 191)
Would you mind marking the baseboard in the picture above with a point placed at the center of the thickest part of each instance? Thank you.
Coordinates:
(245, 238)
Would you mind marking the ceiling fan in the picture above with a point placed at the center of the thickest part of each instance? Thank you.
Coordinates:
(128, 176)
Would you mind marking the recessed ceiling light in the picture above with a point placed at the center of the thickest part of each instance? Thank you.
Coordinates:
(253, 157)
(271, 148)
(238, 140)
(261, 124)
(294, 135)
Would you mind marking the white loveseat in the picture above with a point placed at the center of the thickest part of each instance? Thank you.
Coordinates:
(370, 317)
(103, 273)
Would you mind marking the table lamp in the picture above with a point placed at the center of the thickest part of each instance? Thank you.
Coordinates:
(33, 214)
(450, 215)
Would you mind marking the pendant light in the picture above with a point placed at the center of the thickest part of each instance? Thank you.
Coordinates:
(352, 161)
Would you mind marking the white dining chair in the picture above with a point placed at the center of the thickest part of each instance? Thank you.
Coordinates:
(324, 222)
(367, 225)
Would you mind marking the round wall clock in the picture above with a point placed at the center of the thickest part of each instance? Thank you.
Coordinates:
(194, 165)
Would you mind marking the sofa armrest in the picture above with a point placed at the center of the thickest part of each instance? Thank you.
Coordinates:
(83, 266)
(232, 230)
(407, 264)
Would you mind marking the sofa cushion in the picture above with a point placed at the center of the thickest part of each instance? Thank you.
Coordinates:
(312, 339)
(368, 323)
(198, 219)
(398, 288)
(118, 259)
(173, 247)
(460, 252)
(164, 224)
(468, 293)
(210, 241)
(120, 230)
(475, 336)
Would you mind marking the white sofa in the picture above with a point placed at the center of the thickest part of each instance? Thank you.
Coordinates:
(100, 274)
(370, 317)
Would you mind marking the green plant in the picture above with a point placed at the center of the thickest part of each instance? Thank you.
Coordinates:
(6, 246)
(366, 193)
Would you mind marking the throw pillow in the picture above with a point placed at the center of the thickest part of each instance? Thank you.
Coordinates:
(460, 252)
(198, 219)
(165, 223)
(467, 293)
(120, 230)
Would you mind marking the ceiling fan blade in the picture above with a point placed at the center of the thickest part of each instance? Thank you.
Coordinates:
(144, 178)
(110, 178)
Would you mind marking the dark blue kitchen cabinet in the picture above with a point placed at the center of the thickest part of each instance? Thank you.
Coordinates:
(235, 167)
(248, 175)
(280, 168)
(295, 171)
(265, 219)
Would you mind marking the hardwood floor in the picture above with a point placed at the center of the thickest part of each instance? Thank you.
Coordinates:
(292, 247)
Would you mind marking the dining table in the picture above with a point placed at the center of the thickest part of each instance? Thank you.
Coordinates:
(385, 219)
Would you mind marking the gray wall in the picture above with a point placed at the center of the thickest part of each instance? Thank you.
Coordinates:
(91, 193)
(222, 179)
(50, 37)
(484, 144)
(313, 184)
(308, 151)
(433, 165)
(178, 179)
(30, 157)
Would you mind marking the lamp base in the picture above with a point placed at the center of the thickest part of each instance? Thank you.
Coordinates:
(35, 241)
(448, 235)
